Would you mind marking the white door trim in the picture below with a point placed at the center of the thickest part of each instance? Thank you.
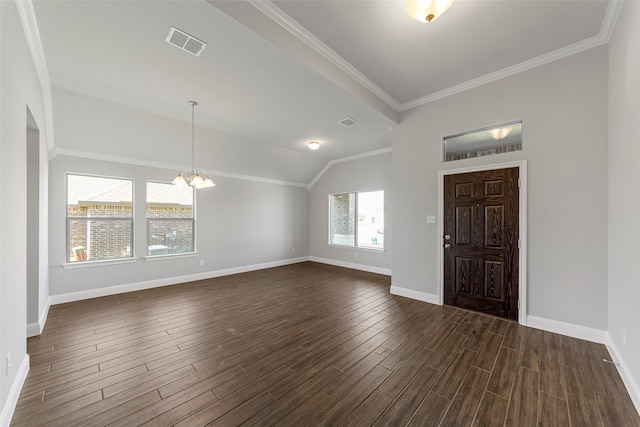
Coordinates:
(522, 268)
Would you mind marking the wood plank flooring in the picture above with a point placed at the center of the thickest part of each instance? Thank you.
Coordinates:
(307, 344)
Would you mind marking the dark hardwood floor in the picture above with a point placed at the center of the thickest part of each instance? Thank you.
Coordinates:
(307, 344)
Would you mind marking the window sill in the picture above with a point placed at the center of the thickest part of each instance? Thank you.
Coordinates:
(86, 264)
(357, 248)
(170, 256)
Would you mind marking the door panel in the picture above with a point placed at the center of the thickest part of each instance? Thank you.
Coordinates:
(463, 225)
(481, 241)
(493, 226)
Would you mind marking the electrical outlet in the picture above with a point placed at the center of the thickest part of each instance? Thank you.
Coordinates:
(8, 364)
(624, 336)
(201, 262)
(293, 250)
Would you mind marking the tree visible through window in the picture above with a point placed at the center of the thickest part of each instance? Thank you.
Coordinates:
(99, 218)
(170, 220)
(357, 219)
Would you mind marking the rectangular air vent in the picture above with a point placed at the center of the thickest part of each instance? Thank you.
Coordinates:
(348, 122)
(185, 41)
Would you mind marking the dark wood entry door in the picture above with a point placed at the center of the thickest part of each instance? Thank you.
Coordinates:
(481, 216)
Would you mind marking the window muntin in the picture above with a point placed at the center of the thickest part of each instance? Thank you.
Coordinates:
(357, 219)
(170, 219)
(99, 218)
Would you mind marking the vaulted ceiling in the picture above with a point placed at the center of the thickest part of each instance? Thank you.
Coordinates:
(286, 72)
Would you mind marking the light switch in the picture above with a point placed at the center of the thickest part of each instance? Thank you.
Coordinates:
(431, 219)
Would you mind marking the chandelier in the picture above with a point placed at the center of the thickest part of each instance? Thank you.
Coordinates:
(192, 178)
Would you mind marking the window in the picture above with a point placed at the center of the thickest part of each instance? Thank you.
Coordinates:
(357, 219)
(170, 220)
(488, 141)
(99, 218)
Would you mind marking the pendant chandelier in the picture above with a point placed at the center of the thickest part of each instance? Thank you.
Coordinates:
(193, 178)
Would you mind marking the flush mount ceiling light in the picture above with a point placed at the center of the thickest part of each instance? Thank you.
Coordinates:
(499, 133)
(192, 178)
(427, 10)
(314, 145)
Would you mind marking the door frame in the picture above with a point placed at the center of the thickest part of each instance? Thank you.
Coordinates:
(522, 215)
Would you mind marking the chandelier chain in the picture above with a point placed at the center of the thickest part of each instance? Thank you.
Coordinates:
(193, 138)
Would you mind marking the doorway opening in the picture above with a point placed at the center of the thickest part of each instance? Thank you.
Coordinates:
(33, 225)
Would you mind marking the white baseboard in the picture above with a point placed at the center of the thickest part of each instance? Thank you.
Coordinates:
(14, 393)
(362, 267)
(35, 329)
(166, 281)
(417, 295)
(623, 369)
(131, 287)
(569, 329)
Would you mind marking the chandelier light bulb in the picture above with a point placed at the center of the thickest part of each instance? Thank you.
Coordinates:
(500, 133)
(180, 181)
(427, 10)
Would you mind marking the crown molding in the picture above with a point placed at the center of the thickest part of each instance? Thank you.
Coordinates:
(610, 19)
(145, 163)
(507, 72)
(347, 159)
(160, 165)
(302, 34)
(606, 30)
(32, 34)
(289, 24)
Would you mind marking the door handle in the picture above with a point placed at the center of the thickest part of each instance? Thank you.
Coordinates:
(447, 245)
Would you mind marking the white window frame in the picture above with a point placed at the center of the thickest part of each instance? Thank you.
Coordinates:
(69, 219)
(193, 250)
(355, 237)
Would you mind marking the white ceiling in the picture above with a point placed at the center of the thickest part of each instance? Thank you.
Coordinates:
(285, 72)
(409, 59)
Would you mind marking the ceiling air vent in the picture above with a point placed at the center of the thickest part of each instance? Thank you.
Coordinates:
(348, 122)
(185, 41)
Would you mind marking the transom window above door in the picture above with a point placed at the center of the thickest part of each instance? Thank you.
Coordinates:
(487, 141)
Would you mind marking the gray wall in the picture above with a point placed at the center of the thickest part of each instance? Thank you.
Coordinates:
(239, 223)
(85, 124)
(20, 90)
(363, 174)
(564, 109)
(624, 194)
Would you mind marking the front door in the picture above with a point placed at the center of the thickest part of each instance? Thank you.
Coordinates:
(480, 241)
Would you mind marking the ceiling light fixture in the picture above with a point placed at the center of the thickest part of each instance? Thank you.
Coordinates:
(427, 10)
(314, 145)
(192, 178)
(500, 133)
